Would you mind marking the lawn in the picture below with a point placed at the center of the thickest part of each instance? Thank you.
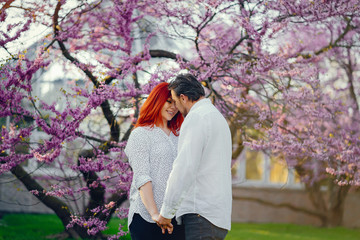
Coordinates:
(244, 231)
(40, 227)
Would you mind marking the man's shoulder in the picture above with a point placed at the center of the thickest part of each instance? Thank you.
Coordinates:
(206, 109)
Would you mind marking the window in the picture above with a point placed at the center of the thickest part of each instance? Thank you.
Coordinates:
(255, 168)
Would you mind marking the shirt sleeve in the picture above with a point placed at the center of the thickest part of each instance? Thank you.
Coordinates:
(191, 144)
(138, 152)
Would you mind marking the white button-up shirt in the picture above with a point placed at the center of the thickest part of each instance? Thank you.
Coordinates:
(200, 181)
(151, 154)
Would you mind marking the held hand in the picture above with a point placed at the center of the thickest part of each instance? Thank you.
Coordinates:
(155, 218)
(165, 224)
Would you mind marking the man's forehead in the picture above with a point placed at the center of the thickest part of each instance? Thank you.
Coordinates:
(173, 93)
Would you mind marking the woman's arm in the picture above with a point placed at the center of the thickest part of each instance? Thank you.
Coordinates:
(147, 197)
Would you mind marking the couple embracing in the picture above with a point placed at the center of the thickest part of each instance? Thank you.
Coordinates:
(180, 153)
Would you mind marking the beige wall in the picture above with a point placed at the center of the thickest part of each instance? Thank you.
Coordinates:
(251, 211)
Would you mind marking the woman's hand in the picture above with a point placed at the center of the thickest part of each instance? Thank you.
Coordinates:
(155, 217)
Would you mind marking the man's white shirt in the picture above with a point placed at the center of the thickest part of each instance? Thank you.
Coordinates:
(200, 180)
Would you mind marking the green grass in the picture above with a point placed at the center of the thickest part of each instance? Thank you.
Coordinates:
(24, 226)
(244, 231)
(114, 226)
(40, 227)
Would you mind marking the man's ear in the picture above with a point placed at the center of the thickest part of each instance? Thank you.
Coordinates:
(183, 97)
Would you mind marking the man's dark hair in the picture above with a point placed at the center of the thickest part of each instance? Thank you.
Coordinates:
(188, 85)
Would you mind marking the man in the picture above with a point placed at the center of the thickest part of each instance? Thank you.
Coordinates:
(199, 187)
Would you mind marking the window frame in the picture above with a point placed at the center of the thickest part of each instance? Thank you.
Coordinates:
(240, 178)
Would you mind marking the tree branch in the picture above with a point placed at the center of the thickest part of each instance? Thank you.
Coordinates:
(164, 54)
(60, 208)
(347, 29)
(105, 106)
(282, 205)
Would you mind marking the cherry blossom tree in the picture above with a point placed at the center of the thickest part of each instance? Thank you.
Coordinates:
(76, 29)
(269, 65)
(315, 127)
(284, 69)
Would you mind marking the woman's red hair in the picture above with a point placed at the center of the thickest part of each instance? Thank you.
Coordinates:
(150, 112)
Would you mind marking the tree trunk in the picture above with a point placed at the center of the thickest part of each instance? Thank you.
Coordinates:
(333, 208)
(335, 217)
(317, 199)
(337, 196)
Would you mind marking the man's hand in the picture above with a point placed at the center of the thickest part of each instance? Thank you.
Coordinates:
(164, 223)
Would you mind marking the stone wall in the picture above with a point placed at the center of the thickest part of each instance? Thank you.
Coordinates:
(14, 198)
(259, 212)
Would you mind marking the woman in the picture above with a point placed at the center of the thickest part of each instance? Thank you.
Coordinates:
(151, 150)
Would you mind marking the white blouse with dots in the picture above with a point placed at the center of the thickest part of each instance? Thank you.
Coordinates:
(151, 153)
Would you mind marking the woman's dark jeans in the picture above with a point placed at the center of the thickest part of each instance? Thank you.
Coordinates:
(198, 227)
(143, 230)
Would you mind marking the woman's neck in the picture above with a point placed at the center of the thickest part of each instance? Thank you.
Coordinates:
(165, 129)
